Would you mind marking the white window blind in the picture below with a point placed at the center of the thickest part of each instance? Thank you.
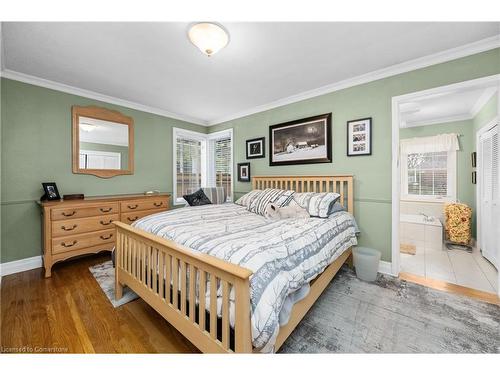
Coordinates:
(202, 160)
(428, 167)
(428, 174)
(220, 162)
(188, 169)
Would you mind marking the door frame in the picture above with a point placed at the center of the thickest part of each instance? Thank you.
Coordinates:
(396, 185)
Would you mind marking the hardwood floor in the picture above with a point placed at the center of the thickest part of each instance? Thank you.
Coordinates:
(451, 288)
(69, 313)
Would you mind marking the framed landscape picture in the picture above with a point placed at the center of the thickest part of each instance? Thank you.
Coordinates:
(359, 137)
(244, 172)
(304, 141)
(256, 148)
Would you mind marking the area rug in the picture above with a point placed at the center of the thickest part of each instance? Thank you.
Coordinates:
(104, 274)
(391, 315)
(386, 316)
(408, 249)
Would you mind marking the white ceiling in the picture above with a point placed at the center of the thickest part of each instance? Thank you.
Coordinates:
(444, 107)
(155, 65)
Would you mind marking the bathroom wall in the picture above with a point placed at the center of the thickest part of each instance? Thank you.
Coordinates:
(465, 188)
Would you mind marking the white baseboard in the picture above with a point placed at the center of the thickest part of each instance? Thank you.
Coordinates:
(20, 265)
(385, 267)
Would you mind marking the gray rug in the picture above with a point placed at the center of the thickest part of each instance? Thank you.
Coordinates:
(394, 316)
(387, 316)
(104, 274)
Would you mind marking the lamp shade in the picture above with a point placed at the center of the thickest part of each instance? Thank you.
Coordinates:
(208, 37)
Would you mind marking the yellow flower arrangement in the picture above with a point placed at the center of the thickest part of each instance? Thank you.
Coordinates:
(458, 223)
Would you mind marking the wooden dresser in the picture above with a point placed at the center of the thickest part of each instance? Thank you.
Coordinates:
(77, 227)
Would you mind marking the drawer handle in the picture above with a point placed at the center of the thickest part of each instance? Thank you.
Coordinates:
(103, 223)
(71, 214)
(158, 204)
(68, 229)
(69, 244)
(132, 218)
(107, 237)
(106, 209)
(133, 207)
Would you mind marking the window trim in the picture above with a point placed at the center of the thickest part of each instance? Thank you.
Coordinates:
(451, 174)
(204, 139)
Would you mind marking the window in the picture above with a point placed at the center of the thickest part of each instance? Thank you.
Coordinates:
(429, 175)
(202, 160)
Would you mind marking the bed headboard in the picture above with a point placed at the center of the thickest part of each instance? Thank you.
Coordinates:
(342, 184)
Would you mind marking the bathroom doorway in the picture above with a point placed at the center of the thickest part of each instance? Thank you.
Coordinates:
(435, 191)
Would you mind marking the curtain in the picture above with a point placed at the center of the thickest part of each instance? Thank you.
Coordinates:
(436, 143)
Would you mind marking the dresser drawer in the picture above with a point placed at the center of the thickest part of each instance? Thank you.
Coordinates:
(144, 204)
(62, 228)
(77, 212)
(80, 241)
(130, 217)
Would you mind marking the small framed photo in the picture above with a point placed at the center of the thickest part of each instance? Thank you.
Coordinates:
(244, 172)
(473, 159)
(51, 192)
(359, 137)
(256, 148)
(474, 178)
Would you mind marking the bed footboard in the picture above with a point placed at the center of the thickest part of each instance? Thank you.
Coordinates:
(169, 277)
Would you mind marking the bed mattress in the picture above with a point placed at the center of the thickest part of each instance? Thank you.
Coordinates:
(284, 255)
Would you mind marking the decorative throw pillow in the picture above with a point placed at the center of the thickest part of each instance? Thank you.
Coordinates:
(247, 199)
(337, 207)
(216, 195)
(198, 198)
(317, 204)
(277, 196)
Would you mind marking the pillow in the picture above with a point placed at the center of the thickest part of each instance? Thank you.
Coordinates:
(216, 195)
(317, 204)
(198, 198)
(247, 199)
(277, 196)
(337, 207)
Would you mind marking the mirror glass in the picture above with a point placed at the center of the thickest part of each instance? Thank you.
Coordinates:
(103, 144)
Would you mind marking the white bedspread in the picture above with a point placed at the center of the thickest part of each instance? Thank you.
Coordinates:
(284, 255)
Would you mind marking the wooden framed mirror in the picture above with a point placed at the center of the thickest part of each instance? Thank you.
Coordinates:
(103, 142)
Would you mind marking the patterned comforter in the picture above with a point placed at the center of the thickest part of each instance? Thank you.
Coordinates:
(284, 255)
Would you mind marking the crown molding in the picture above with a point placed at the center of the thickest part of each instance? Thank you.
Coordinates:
(32, 80)
(482, 100)
(419, 63)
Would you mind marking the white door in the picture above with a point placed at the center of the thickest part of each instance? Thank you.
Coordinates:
(100, 159)
(489, 195)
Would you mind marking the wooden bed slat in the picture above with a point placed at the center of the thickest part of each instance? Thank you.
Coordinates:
(192, 291)
(213, 306)
(202, 299)
(225, 314)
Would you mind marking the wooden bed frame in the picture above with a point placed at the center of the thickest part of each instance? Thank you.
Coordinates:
(168, 260)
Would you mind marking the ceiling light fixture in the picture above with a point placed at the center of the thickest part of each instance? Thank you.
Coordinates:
(209, 37)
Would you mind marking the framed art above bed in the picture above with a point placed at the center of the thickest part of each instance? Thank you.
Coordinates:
(304, 141)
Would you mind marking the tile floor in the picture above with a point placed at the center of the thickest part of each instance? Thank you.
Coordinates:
(455, 266)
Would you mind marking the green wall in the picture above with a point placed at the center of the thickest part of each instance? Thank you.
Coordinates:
(486, 114)
(372, 174)
(36, 147)
(108, 148)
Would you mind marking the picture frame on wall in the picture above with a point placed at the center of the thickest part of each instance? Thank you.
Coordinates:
(359, 137)
(473, 159)
(244, 172)
(474, 178)
(256, 148)
(304, 141)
